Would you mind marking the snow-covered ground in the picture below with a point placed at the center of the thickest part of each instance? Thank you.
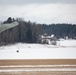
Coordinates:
(67, 43)
(65, 49)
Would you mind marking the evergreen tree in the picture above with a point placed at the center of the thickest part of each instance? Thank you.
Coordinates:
(9, 20)
(29, 36)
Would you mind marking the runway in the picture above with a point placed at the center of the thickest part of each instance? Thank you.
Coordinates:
(38, 67)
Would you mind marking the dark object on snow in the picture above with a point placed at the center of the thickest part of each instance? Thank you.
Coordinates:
(17, 51)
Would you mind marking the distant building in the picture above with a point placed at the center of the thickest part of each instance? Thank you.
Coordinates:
(46, 39)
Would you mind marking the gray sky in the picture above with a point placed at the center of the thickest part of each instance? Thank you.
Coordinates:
(4, 2)
(40, 11)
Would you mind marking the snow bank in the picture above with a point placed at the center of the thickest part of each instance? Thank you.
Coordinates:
(40, 69)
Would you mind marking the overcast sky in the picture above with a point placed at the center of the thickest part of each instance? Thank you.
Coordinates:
(40, 11)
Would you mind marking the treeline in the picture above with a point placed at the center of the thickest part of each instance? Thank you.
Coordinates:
(24, 32)
(60, 30)
(28, 32)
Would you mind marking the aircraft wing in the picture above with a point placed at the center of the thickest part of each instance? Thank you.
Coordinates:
(4, 27)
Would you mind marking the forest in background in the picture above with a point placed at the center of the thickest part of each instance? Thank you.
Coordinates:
(28, 32)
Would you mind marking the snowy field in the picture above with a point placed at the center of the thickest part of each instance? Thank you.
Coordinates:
(65, 49)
